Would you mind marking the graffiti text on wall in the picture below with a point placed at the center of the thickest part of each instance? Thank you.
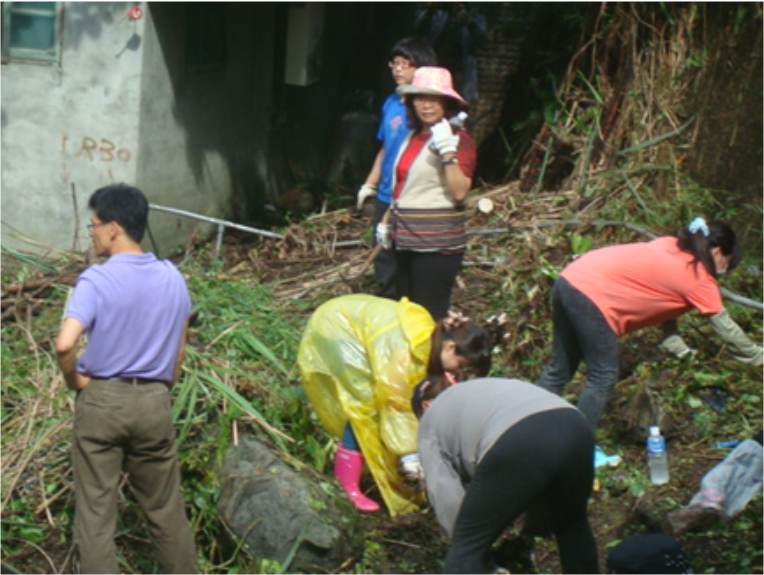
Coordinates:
(104, 151)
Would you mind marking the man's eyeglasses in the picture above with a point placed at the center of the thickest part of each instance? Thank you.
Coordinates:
(92, 226)
(401, 64)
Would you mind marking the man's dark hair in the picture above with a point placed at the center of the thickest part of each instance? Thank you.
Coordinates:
(428, 389)
(416, 50)
(123, 204)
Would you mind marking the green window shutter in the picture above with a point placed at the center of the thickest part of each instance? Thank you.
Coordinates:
(31, 31)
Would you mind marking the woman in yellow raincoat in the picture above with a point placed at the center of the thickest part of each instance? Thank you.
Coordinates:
(360, 358)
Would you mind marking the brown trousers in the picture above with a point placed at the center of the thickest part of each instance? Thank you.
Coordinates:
(119, 426)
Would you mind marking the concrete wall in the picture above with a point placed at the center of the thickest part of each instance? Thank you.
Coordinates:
(124, 106)
(72, 126)
(204, 132)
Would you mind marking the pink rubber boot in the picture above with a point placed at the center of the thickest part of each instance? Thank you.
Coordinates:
(348, 466)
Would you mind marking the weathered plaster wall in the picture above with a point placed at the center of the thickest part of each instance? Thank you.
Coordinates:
(70, 126)
(204, 133)
(124, 107)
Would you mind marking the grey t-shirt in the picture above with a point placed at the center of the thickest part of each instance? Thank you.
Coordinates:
(462, 424)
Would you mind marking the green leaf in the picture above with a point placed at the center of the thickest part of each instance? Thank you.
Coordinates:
(238, 401)
(637, 489)
(256, 346)
(694, 402)
(660, 138)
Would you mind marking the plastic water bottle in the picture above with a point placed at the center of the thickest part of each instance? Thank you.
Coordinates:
(656, 452)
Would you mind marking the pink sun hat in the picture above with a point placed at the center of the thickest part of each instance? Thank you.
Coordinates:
(434, 81)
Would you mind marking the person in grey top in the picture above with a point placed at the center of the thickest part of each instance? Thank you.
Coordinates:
(493, 449)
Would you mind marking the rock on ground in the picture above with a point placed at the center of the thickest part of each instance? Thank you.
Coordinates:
(278, 511)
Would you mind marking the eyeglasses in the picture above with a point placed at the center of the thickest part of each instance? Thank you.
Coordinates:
(423, 100)
(401, 64)
(92, 226)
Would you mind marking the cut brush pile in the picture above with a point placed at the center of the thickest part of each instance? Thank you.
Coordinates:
(616, 161)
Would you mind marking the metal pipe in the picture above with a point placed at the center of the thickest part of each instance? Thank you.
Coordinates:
(221, 225)
(217, 221)
(219, 240)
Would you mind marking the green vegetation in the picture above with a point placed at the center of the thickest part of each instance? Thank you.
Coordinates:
(240, 376)
(604, 160)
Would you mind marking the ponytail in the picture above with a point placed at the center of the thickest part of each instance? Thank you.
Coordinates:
(700, 237)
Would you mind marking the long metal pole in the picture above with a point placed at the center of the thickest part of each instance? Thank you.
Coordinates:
(217, 221)
(221, 224)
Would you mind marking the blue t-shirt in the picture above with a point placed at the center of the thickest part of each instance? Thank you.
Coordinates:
(133, 307)
(392, 131)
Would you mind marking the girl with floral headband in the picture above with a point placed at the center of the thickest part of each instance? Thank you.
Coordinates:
(360, 357)
(616, 290)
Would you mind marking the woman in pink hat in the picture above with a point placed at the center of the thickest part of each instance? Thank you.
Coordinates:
(432, 176)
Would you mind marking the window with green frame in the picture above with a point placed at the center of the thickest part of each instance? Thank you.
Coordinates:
(31, 31)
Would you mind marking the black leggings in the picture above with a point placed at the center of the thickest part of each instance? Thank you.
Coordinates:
(545, 462)
(427, 278)
(384, 265)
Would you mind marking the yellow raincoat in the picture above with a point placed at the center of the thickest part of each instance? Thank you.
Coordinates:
(360, 358)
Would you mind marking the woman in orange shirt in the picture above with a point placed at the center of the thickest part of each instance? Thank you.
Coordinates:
(615, 290)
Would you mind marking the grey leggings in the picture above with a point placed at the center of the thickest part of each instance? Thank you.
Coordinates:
(581, 332)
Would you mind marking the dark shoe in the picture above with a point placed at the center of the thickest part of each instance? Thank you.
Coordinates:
(693, 518)
(515, 555)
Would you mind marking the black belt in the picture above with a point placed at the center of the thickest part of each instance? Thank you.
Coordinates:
(134, 380)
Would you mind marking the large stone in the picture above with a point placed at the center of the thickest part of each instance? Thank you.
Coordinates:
(281, 513)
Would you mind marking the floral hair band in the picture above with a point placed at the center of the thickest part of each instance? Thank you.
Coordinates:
(454, 320)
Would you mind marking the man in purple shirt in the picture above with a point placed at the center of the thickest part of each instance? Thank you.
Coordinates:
(134, 309)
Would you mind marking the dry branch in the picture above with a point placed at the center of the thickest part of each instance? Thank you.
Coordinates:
(29, 285)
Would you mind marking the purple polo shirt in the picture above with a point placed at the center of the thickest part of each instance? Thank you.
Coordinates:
(133, 307)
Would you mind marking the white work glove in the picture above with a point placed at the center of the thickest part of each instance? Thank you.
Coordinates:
(675, 345)
(410, 468)
(366, 191)
(383, 236)
(443, 138)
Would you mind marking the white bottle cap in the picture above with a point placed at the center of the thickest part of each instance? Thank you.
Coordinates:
(485, 205)
(655, 430)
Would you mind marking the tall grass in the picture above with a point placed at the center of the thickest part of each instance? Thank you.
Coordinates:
(239, 375)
